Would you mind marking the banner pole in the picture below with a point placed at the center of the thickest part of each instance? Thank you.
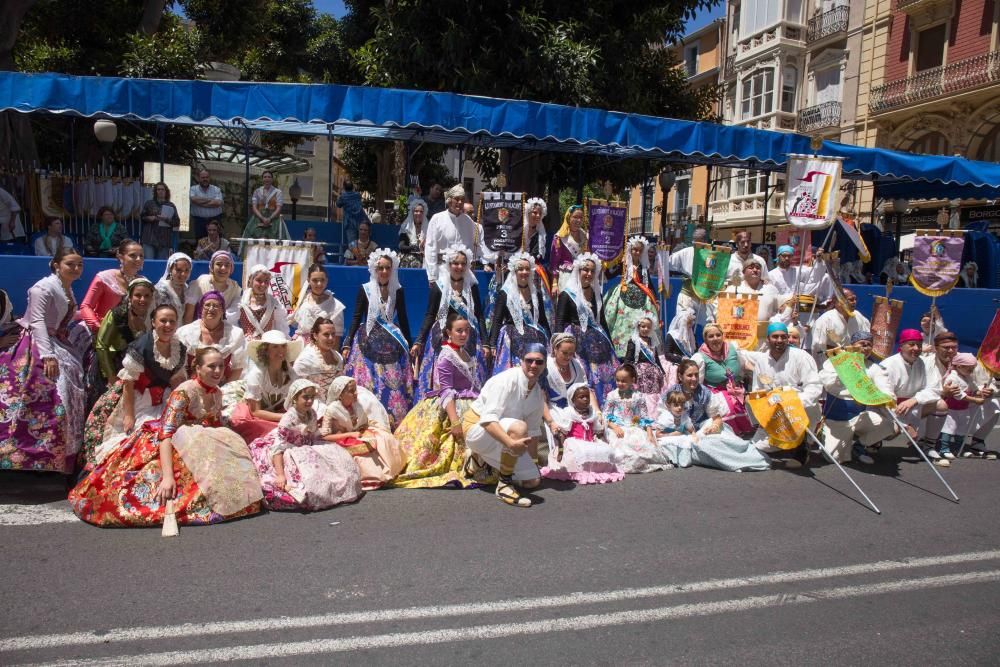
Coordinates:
(902, 428)
(834, 461)
(968, 431)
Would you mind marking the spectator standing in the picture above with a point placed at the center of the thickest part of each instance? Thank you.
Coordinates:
(435, 200)
(354, 212)
(206, 203)
(159, 221)
(447, 228)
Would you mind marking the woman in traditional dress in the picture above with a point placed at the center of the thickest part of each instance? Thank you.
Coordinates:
(378, 454)
(213, 242)
(680, 342)
(122, 325)
(632, 297)
(583, 456)
(172, 287)
(42, 393)
(315, 300)
(320, 362)
(256, 400)
(153, 364)
(220, 267)
(210, 329)
(359, 251)
(567, 245)
(259, 311)
(159, 221)
(519, 316)
(536, 244)
(431, 434)
(579, 312)
(563, 370)
(721, 370)
(455, 292)
(717, 446)
(411, 235)
(109, 286)
(265, 212)
(186, 457)
(298, 470)
(969, 276)
(654, 372)
(378, 357)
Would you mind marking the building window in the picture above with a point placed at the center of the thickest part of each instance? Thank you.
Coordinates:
(682, 196)
(930, 47)
(756, 15)
(932, 143)
(306, 147)
(647, 205)
(691, 60)
(789, 85)
(757, 94)
(749, 182)
(989, 150)
(828, 85)
(306, 183)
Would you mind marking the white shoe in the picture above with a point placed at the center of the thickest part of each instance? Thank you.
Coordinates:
(932, 454)
(948, 455)
(942, 463)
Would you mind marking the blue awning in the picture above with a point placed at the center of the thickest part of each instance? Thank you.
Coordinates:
(449, 118)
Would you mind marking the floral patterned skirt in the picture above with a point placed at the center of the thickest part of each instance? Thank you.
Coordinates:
(425, 378)
(319, 476)
(510, 345)
(105, 427)
(41, 420)
(622, 312)
(215, 481)
(434, 457)
(379, 363)
(378, 455)
(594, 349)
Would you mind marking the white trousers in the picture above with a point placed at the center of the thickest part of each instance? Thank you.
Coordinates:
(489, 449)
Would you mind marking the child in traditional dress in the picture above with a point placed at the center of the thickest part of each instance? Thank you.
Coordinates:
(630, 430)
(674, 429)
(963, 407)
(581, 457)
(297, 469)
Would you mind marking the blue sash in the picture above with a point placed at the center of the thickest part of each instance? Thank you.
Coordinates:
(841, 410)
(459, 307)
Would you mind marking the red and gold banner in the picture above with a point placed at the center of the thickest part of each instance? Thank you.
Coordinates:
(782, 416)
(989, 349)
(736, 314)
(795, 237)
(886, 316)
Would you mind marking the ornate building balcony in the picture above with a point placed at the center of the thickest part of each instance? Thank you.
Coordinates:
(937, 82)
(827, 24)
(819, 117)
(923, 5)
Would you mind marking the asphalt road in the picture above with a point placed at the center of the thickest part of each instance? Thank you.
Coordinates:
(682, 566)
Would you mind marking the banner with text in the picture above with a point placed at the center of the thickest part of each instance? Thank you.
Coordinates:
(782, 416)
(886, 316)
(607, 229)
(812, 192)
(850, 367)
(711, 264)
(937, 261)
(737, 316)
(501, 215)
(287, 261)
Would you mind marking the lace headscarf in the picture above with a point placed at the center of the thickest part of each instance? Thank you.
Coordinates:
(409, 227)
(515, 306)
(575, 290)
(965, 278)
(643, 259)
(165, 287)
(529, 205)
(357, 418)
(469, 282)
(682, 330)
(296, 388)
(654, 337)
(270, 303)
(372, 288)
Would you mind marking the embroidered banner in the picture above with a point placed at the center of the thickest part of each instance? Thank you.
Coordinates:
(812, 192)
(607, 229)
(737, 316)
(794, 237)
(711, 264)
(989, 349)
(937, 261)
(663, 268)
(886, 316)
(850, 367)
(832, 261)
(501, 215)
(850, 228)
(782, 416)
(287, 261)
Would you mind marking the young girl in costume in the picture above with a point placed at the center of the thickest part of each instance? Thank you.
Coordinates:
(630, 430)
(582, 457)
(966, 405)
(674, 428)
(297, 469)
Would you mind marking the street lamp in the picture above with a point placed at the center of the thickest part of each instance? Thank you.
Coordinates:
(899, 205)
(295, 192)
(106, 132)
(667, 179)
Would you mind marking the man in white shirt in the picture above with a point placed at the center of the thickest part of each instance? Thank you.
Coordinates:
(206, 203)
(743, 255)
(784, 366)
(503, 427)
(752, 283)
(834, 328)
(916, 397)
(10, 219)
(851, 426)
(449, 226)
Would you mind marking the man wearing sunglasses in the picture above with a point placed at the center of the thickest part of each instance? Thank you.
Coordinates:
(504, 425)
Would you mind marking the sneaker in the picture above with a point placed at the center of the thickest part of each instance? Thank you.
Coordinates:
(859, 454)
(942, 463)
(931, 453)
(946, 453)
(944, 448)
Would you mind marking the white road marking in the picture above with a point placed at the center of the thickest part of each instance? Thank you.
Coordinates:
(33, 515)
(468, 609)
(483, 632)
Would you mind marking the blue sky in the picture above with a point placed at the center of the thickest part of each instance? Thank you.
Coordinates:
(335, 7)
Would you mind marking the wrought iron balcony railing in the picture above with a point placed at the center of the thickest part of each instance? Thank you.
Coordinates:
(828, 23)
(819, 117)
(937, 82)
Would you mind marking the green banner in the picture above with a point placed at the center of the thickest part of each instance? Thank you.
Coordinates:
(708, 274)
(850, 367)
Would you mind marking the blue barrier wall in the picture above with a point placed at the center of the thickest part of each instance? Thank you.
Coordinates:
(966, 312)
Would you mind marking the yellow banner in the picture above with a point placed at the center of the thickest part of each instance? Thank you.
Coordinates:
(781, 414)
(737, 316)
